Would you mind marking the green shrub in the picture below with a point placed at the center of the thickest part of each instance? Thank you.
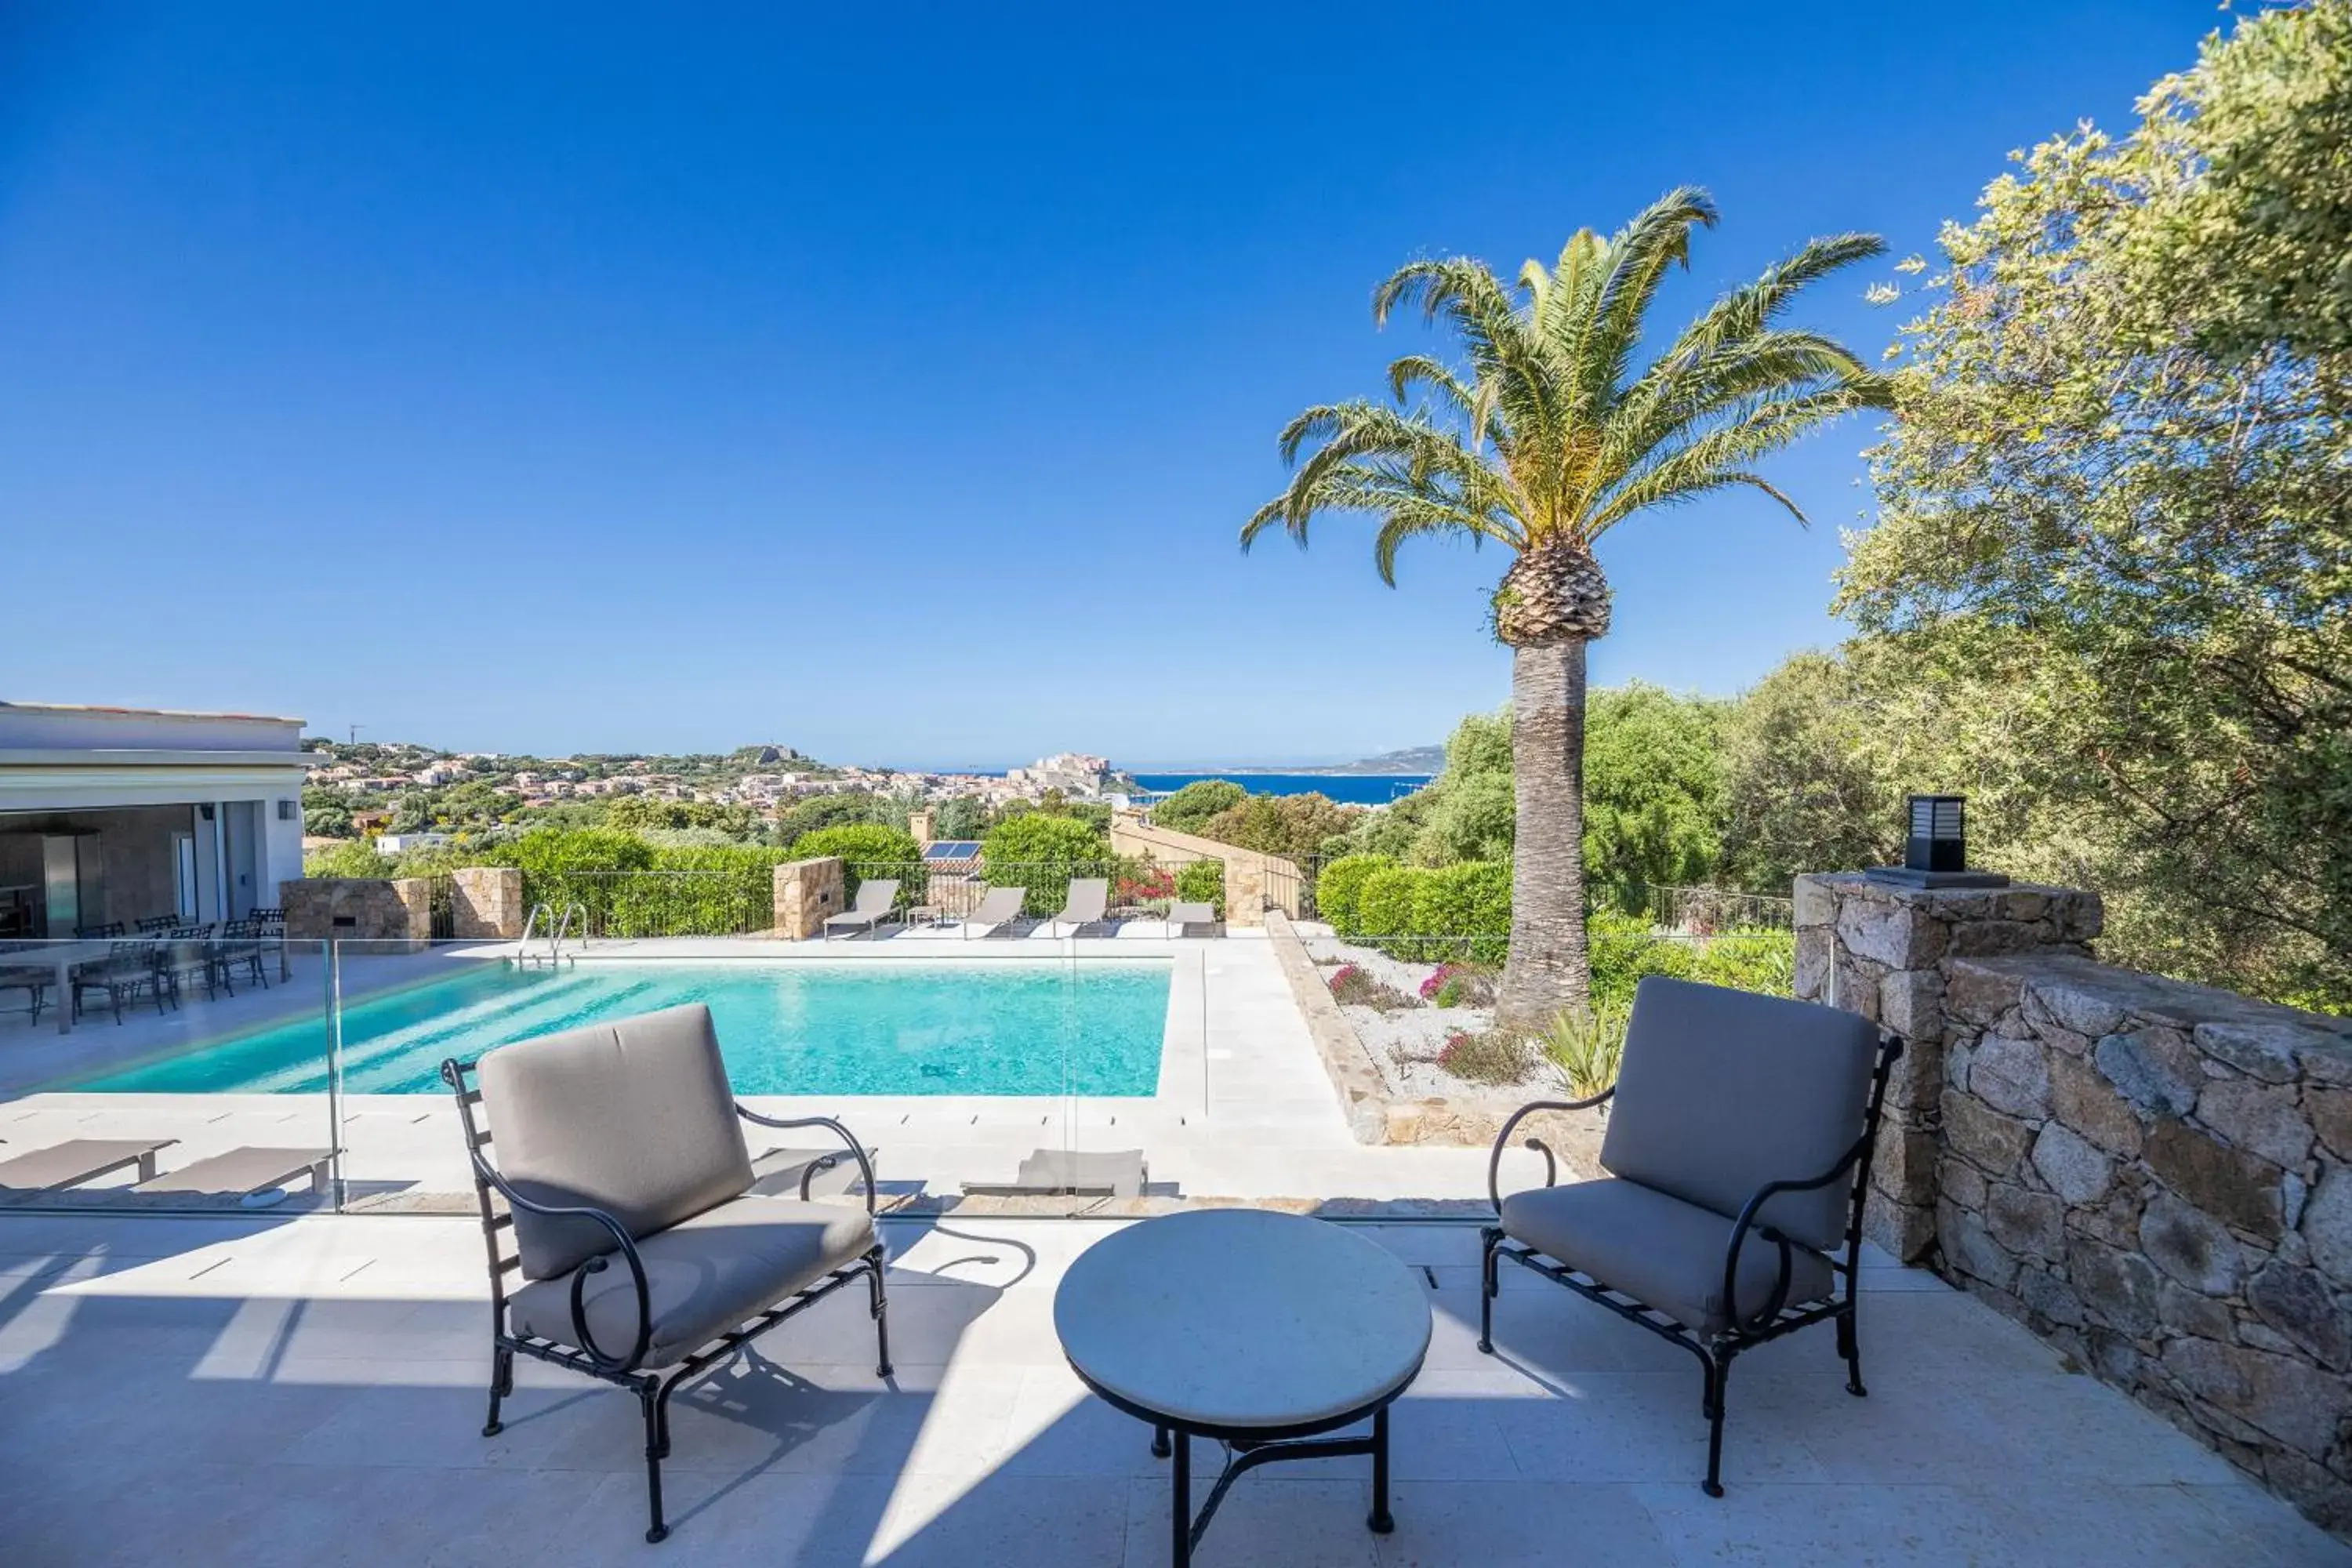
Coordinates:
(869, 845)
(1624, 949)
(1471, 900)
(699, 890)
(1337, 889)
(1385, 906)
(352, 857)
(1202, 882)
(1042, 852)
(1491, 1057)
(1188, 808)
(1749, 958)
(1589, 1047)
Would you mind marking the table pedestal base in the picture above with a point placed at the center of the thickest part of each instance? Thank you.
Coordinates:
(1244, 1455)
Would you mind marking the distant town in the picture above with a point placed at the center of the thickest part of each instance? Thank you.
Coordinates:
(406, 795)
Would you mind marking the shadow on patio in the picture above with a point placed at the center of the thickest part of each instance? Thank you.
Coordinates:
(257, 1393)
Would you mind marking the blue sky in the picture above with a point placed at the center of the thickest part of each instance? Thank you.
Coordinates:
(890, 386)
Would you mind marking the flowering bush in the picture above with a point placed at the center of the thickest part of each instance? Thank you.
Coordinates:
(1342, 975)
(1352, 986)
(1459, 985)
(1152, 885)
(1486, 1058)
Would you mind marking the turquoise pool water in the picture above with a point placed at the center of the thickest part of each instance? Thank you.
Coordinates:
(850, 1029)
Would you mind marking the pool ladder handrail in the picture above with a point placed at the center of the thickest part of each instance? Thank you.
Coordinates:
(560, 927)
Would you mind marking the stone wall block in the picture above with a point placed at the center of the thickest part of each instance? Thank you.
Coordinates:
(2260, 1118)
(1980, 992)
(2120, 1287)
(2012, 1076)
(2085, 1101)
(2191, 1246)
(806, 893)
(2299, 1304)
(1983, 1136)
(2234, 1187)
(1891, 935)
(2075, 1171)
(2265, 1051)
(2026, 1221)
(485, 903)
(2075, 1005)
(2274, 1394)
(2330, 1110)
(2150, 1074)
(1909, 1002)
(2327, 1224)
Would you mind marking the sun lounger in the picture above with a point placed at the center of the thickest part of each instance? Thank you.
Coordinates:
(254, 1175)
(1051, 1173)
(1001, 904)
(1089, 896)
(1182, 917)
(872, 907)
(79, 1159)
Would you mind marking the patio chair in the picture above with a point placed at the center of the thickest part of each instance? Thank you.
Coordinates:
(1076, 1172)
(1737, 1157)
(79, 1159)
(1001, 907)
(239, 947)
(130, 968)
(1089, 898)
(106, 932)
(872, 906)
(643, 1258)
(155, 925)
(1183, 918)
(32, 979)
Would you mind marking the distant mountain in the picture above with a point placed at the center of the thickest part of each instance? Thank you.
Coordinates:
(1413, 759)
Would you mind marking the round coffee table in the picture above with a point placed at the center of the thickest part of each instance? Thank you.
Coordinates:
(1259, 1330)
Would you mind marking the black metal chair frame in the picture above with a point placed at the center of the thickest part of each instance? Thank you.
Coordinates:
(652, 1387)
(130, 967)
(1770, 1321)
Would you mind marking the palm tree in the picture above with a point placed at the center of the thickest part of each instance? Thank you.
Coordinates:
(1546, 438)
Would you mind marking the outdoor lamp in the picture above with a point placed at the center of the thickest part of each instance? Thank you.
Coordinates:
(1936, 847)
(1938, 840)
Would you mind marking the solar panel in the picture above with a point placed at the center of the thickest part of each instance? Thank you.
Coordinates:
(952, 849)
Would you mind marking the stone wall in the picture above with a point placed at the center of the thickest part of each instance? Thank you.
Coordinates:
(1882, 951)
(1255, 882)
(2159, 1177)
(486, 902)
(2156, 1176)
(358, 908)
(806, 892)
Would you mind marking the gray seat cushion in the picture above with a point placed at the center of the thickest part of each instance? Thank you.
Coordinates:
(1724, 1090)
(703, 1276)
(1663, 1252)
(634, 1118)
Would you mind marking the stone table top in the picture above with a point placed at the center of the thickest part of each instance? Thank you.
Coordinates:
(1243, 1318)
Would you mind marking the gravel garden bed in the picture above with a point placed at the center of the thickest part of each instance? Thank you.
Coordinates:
(1405, 1032)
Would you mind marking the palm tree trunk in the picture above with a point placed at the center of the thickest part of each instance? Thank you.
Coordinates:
(1548, 969)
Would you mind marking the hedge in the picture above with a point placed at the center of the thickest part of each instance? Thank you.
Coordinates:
(1202, 882)
(1042, 852)
(1338, 889)
(870, 845)
(1472, 900)
(1385, 908)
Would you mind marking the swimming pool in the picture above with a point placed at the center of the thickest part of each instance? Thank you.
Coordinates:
(999, 1028)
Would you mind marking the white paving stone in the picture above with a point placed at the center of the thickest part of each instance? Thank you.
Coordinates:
(305, 1391)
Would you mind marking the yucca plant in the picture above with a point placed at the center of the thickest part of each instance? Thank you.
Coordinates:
(1589, 1044)
(1548, 434)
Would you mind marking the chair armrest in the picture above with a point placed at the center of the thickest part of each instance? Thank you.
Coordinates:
(856, 1152)
(624, 1242)
(1503, 1139)
(1747, 1222)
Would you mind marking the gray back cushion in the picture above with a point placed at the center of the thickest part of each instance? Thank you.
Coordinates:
(634, 1118)
(1722, 1091)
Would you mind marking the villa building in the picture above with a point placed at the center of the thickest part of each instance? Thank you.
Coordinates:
(124, 814)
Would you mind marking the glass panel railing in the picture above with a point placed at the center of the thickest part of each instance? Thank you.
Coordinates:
(181, 1066)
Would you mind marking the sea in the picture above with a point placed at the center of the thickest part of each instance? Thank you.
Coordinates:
(1356, 789)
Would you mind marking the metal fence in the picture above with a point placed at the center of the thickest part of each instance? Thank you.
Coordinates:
(731, 902)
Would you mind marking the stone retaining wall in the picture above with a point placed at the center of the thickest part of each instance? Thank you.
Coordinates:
(2159, 1177)
(1255, 882)
(2153, 1175)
